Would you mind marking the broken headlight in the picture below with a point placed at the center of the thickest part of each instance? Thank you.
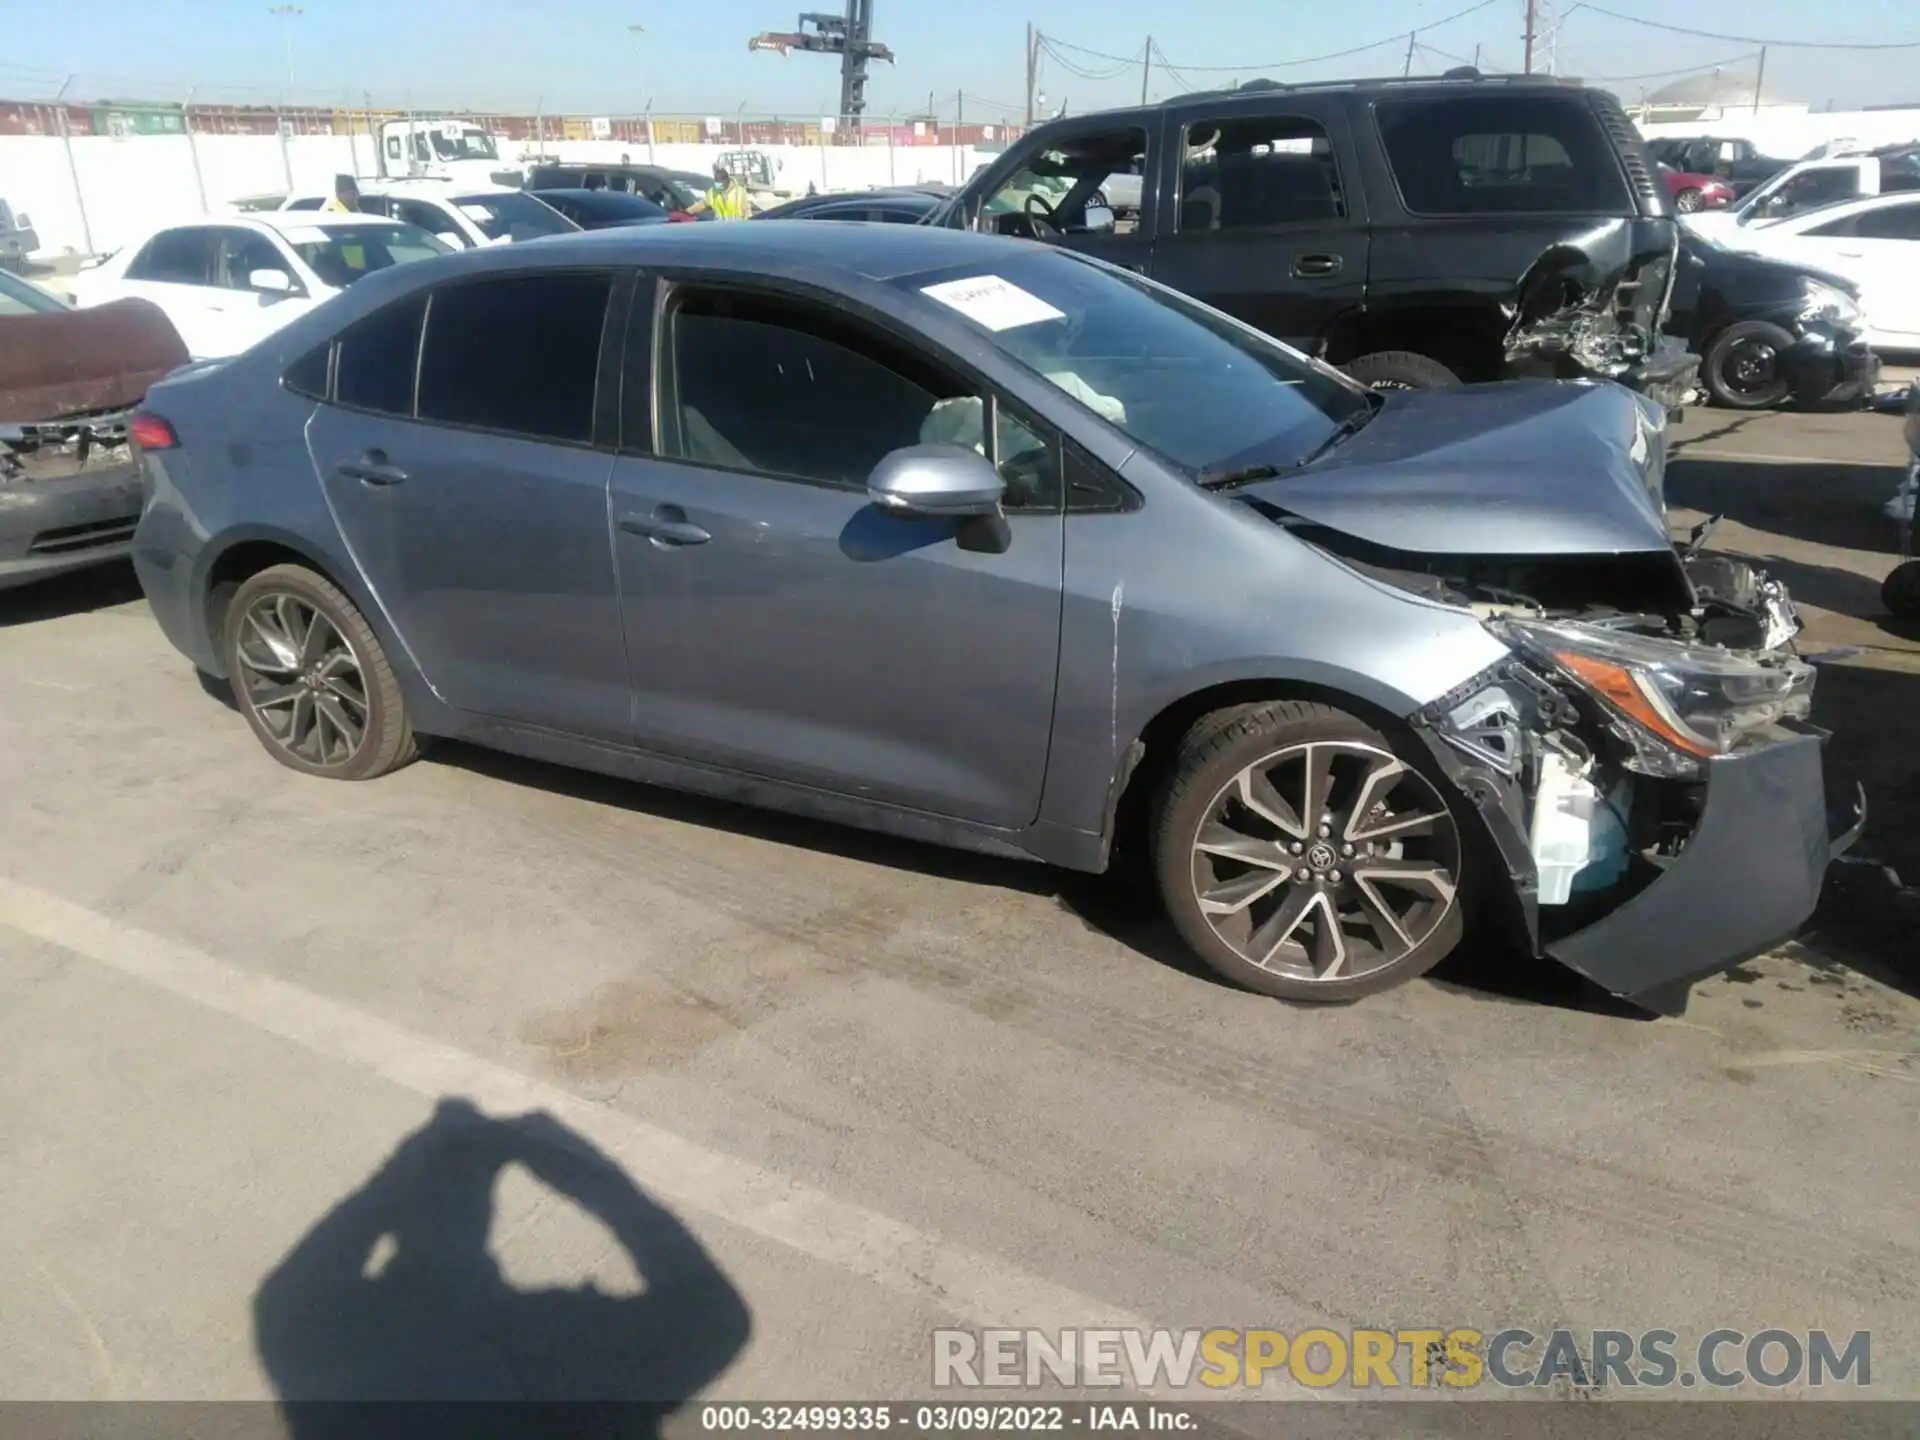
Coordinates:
(1675, 704)
(1829, 305)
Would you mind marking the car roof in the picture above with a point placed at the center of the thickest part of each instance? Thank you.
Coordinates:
(874, 251)
(310, 219)
(1256, 94)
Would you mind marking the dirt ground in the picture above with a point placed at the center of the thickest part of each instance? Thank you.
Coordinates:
(1803, 494)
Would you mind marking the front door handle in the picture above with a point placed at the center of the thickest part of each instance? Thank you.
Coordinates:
(666, 526)
(372, 468)
(1308, 267)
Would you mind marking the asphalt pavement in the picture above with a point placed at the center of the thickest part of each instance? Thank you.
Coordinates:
(269, 1046)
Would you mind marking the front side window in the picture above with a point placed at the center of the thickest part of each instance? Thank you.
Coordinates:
(519, 354)
(513, 215)
(344, 253)
(1811, 189)
(176, 257)
(1055, 186)
(243, 253)
(1501, 155)
(791, 389)
(1207, 393)
(1257, 174)
(377, 358)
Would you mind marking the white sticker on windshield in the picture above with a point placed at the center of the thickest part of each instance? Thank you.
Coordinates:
(306, 235)
(480, 213)
(989, 301)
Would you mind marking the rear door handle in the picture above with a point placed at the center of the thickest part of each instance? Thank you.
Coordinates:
(372, 469)
(1307, 267)
(666, 526)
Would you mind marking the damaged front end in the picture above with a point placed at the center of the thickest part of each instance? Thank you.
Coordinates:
(70, 489)
(1593, 307)
(1643, 759)
(1651, 780)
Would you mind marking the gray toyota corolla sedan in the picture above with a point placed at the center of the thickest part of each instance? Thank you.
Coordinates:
(988, 544)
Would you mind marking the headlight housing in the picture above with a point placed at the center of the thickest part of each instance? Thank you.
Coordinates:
(1677, 705)
(1829, 305)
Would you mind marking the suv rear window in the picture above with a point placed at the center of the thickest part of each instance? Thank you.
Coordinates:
(1501, 155)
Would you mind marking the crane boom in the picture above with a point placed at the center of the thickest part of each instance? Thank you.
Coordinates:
(850, 36)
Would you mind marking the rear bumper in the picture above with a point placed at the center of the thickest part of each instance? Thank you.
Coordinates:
(55, 524)
(1747, 880)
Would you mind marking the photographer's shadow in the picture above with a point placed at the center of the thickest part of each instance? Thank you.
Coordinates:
(393, 1296)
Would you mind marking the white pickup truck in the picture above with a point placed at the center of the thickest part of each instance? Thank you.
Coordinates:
(1812, 184)
(17, 240)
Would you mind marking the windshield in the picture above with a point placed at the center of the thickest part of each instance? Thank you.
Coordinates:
(1205, 392)
(349, 251)
(22, 297)
(467, 144)
(512, 215)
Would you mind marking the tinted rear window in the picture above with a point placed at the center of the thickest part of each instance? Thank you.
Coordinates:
(1501, 155)
(375, 368)
(518, 354)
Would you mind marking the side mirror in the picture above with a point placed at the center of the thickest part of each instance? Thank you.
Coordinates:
(936, 481)
(1099, 220)
(270, 282)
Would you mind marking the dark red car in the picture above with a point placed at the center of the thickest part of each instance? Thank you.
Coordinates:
(1695, 192)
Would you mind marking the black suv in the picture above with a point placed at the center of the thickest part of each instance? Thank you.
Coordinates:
(1414, 232)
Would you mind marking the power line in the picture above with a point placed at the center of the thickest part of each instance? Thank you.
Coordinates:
(1747, 39)
(1682, 70)
(1398, 39)
(1073, 67)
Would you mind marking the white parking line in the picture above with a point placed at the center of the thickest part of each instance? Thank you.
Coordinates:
(973, 1287)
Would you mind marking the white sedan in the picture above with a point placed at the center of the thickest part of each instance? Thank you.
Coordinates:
(1873, 242)
(227, 283)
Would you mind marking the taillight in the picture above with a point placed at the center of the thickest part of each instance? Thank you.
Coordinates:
(678, 216)
(151, 432)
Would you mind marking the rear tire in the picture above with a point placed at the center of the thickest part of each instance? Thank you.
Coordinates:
(312, 679)
(1399, 370)
(1742, 367)
(1301, 857)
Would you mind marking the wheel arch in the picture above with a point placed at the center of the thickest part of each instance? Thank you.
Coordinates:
(1467, 337)
(1143, 764)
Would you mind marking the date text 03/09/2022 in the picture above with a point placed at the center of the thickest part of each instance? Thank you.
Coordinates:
(945, 1418)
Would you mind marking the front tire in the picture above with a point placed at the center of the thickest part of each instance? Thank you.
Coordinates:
(312, 678)
(1742, 366)
(1399, 370)
(1301, 857)
(1688, 200)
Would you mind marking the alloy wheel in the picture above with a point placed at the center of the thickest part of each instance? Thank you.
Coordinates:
(1687, 201)
(302, 680)
(1326, 860)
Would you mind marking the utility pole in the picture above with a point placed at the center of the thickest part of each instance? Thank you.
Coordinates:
(1476, 57)
(1533, 17)
(1033, 58)
(1407, 69)
(1146, 68)
(286, 14)
(1759, 79)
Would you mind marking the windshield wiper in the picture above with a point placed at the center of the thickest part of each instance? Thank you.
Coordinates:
(1227, 479)
(1355, 422)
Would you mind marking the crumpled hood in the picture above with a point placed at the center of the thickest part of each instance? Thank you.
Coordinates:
(1525, 468)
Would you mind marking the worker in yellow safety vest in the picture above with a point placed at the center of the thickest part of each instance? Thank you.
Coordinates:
(728, 197)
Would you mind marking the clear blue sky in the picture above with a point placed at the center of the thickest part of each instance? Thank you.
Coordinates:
(693, 59)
